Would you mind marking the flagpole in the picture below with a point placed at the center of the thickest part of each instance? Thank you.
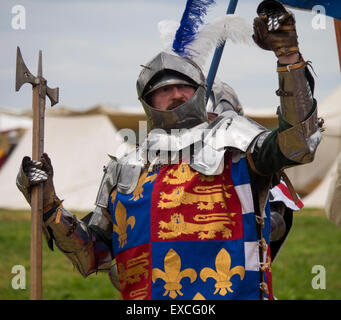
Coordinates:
(217, 55)
(337, 25)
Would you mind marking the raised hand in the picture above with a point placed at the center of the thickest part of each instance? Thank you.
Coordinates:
(274, 29)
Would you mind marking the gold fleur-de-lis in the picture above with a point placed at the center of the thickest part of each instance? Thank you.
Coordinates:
(223, 273)
(198, 296)
(172, 274)
(122, 223)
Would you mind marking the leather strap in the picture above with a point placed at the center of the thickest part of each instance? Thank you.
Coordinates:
(284, 51)
(290, 67)
(59, 213)
(53, 208)
(287, 28)
(56, 202)
(252, 164)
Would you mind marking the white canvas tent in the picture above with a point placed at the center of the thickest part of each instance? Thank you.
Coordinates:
(328, 153)
(333, 200)
(317, 198)
(11, 122)
(330, 107)
(78, 148)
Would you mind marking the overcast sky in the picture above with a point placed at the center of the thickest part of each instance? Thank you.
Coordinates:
(92, 50)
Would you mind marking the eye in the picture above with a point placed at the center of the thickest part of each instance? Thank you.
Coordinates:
(187, 88)
(165, 89)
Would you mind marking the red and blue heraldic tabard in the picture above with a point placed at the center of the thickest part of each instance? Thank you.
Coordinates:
(182, 235)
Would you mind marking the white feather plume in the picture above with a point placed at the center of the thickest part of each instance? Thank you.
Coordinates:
(167, 29)
(229, 27)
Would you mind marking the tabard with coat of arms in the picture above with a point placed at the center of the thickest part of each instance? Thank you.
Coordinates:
(183, 235)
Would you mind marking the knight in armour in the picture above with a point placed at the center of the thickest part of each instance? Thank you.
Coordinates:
(198, 222)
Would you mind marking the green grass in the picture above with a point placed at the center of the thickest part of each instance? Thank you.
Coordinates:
(313, 240)
(61, 281)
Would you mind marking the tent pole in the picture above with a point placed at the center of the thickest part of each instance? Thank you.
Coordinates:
(337, 25)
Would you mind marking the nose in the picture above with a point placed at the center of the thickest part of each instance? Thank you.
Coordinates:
(177, 93)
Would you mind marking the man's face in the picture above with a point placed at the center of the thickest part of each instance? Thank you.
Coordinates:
(171, 96)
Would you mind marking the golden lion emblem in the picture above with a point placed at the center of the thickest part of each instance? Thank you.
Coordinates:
(136, 268)
(178, 226)
(184, 173)
(205, 197)
(138, 192)
(181, 174)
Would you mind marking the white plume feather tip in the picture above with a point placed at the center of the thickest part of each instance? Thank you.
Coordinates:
(167, 29)
(229, 27)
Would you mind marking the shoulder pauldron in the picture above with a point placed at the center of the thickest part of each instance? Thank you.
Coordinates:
(109, 181)
(232, 130)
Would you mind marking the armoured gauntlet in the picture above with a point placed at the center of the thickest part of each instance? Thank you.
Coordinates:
(274, 29)
(71, 235)
(35, 172)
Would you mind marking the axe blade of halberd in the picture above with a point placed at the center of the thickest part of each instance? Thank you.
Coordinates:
(23, 75)
(53, 95)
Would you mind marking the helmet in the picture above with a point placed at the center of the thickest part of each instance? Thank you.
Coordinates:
(223, 98)
(166, 78)
(167, 69)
